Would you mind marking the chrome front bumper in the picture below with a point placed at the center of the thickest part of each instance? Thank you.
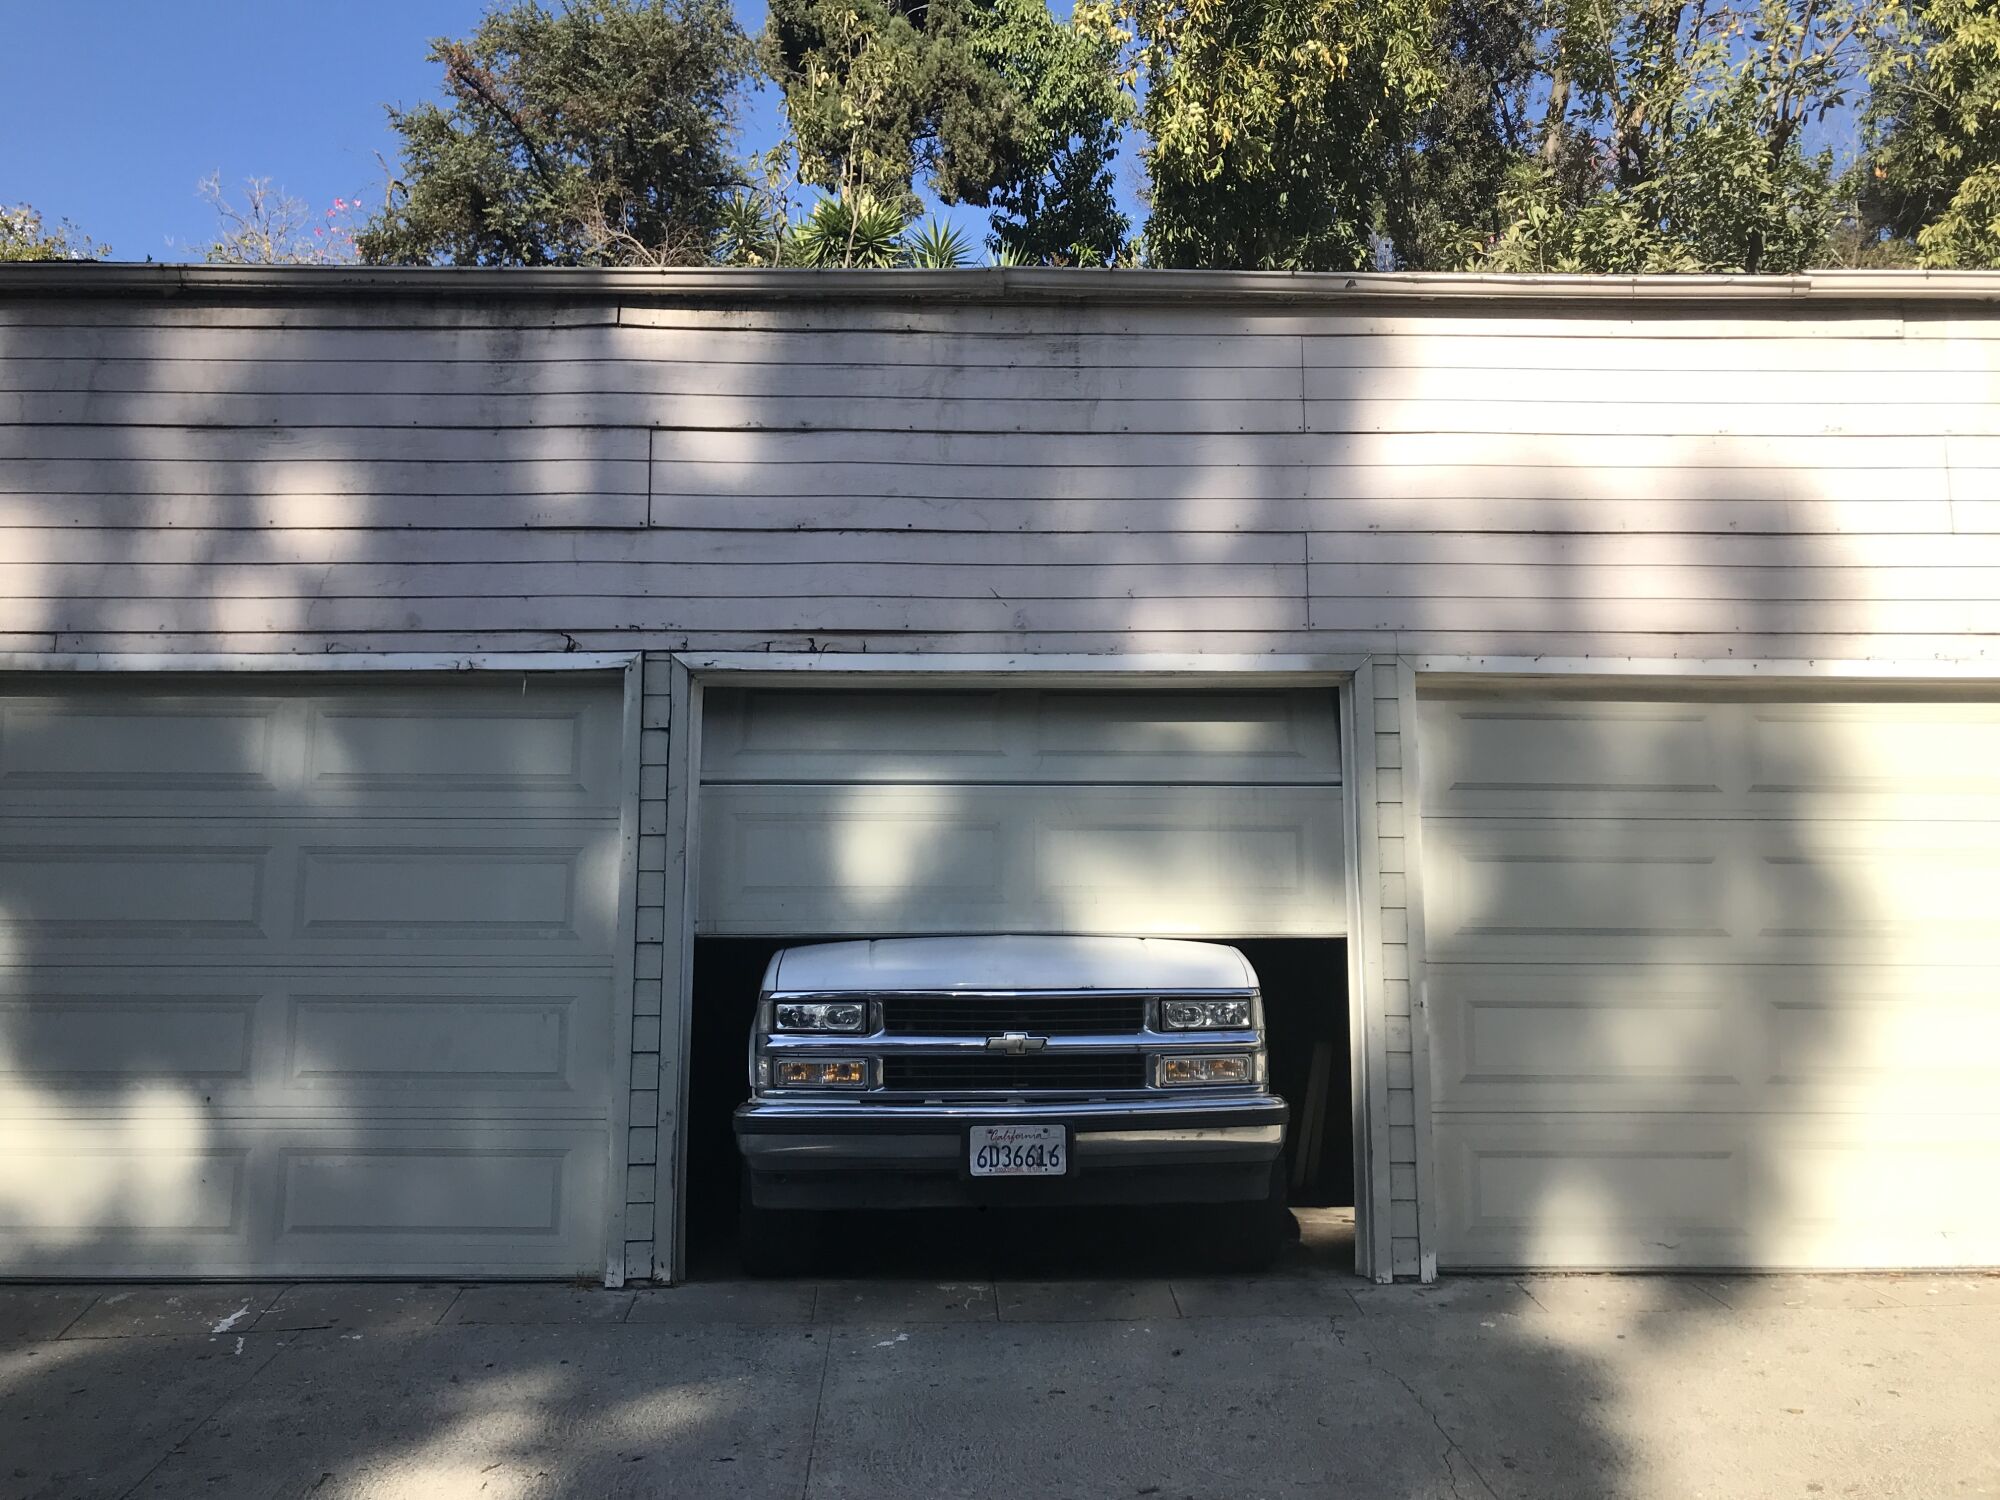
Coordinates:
(816, 1154)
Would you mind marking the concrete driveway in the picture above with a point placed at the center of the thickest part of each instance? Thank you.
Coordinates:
(1302, 1383)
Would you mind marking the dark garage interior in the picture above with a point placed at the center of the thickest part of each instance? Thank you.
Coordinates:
(1304, 983)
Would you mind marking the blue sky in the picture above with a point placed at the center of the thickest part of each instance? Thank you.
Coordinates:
(111, 111)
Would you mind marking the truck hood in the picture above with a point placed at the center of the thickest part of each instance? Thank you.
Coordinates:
(1009, 963)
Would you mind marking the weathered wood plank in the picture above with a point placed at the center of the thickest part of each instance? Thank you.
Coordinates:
(1475, 618)
(415, 617)
(859, 412)
(1001, 454)
(1318, 642)
(863, 411)
(1579, 553)
(798, 577)
(357, 511)
(1575, 513)
(620, 451)
(382, 363)
(1571, 581)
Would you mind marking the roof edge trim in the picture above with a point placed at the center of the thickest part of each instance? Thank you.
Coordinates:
(709, 285)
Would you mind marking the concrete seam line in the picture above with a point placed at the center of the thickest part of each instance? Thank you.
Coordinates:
(819, 1402)
(204, 1420)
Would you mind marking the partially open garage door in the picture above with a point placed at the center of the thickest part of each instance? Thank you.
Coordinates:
(870, 813)
(306, 977)
(1713, 983)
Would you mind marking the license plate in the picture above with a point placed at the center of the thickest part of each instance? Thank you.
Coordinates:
(1019, 1151)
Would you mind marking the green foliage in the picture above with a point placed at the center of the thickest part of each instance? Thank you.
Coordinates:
(1673, 139)
(1276, 125)
(1444, 207)
(597, 134)
(25, 235)
(882, 94)
(932, 246)
(1933, 175)
(1058, 202)
(860, 231)
(992, 102)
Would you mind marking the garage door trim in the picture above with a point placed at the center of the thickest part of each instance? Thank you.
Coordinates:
(685, 677)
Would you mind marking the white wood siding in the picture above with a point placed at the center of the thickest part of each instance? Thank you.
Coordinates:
(1756, 481)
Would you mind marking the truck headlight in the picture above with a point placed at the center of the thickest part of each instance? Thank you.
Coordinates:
(820, 1015)
(1204, 1015)
(1207, 1067)
(822, 1073)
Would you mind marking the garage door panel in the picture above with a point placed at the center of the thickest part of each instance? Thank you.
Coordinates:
(258, 891)
(64, 885)
(540, 748)
(1532, 891)
(1568, 1191)
(1487, 756)
(1496, 757)
(1760, 890)
(543, 888)
(1019, 736)
(77, 1031)
(337, 1046)
(878, 860)
(77, 750)
(1761, 1191)
(115, 1199)
(1589, 1037)
(1838, 1038)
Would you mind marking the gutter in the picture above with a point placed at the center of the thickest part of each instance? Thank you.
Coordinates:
(990, 285)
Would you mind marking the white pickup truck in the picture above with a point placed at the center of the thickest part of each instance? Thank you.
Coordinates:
(1032, 1071)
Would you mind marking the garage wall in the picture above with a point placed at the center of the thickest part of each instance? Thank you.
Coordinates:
(1793, 477)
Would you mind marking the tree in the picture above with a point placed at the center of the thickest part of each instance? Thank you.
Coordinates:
(1058, 201)
(1445, 207)
(596, 135)
(883, 94)
(1276, 125)
(1673, 138)
(272, 228)
(24, 235)
(989, 102)
(1932, 175)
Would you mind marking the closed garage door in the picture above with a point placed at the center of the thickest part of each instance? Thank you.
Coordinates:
(1713, 983)
(872, 813)
(306, 978)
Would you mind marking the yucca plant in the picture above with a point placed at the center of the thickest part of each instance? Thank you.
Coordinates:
(751, 234)
(861, 231)
(933, 246)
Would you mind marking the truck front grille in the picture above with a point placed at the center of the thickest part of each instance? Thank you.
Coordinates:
(989, 1015)
(999, 1073)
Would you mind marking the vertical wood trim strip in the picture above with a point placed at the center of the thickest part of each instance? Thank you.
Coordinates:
(623, 967)
(1420, 1014)
(676, 968)
(1367, 1034)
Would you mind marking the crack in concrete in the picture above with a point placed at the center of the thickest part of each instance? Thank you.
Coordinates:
(1451, 1445)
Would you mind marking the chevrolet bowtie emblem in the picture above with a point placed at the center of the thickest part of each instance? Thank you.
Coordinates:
(1014, 1043)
